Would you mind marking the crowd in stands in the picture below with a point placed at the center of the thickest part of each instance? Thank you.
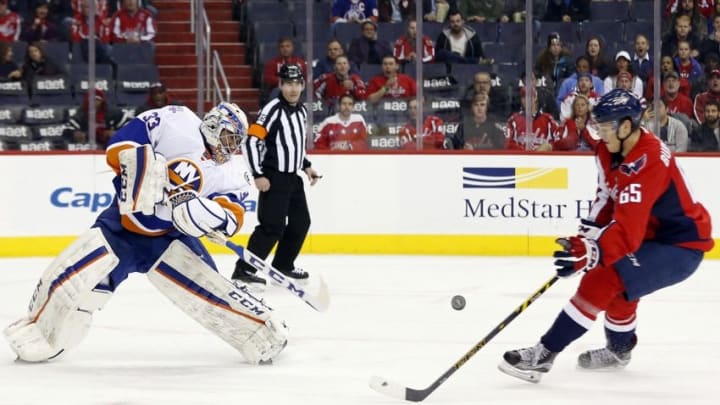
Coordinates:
(473, 55)
(44, 52)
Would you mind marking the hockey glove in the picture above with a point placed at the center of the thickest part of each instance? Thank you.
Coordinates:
(579, 255)
(197, 216)
(589, 229)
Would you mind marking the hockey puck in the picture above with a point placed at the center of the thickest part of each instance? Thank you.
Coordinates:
(458, 302)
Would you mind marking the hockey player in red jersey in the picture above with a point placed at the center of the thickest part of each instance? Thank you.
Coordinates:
(645, 232)
(344, 130)
(543, 128)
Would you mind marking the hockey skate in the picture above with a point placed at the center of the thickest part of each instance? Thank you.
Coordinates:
(248, 277)
(296, 273)
(604, 358)
(529, 363)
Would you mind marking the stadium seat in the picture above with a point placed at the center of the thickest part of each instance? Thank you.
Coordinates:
(58, 52)
(368, 71)
(11, 136)
(321, 33)
(512, 34)
(140, 53)
(568, 32)
(11, 114)
(79, 53)
(133, 83)
(638, 27)
(501, 53)
(51, 90)
(431, 29)
(487, 31)
(609, 31)
(390, 32)
(271, 31)
(14, 93)
(103, 78)
(263, 11)
(346, 32)
(43, 115)
(642, 10)
(430, 70)
(609, 10)
(465, 74)
(19, 48)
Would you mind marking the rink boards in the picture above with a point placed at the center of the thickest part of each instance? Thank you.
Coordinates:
(490, 204)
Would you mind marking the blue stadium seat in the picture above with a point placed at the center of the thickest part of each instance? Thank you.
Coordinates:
(568, 32)
(11, 114)
(12, 136)
(609, 31)
(260, 10)
(19, 48)
(79, 53)
(51, 90)
(638, 27)
(133, 83)
(346, 32)
(642, 10)
(465, 74)
(321, 33)
(487, 31)
(271, 31)
(368, 71)
(43, 115)
(140, 53)
(430, 70)
(609, 10)
(501, 53)
(390, 32)
(58, 52)
(512, 34)
(103, 80)
(14, 93)
(431, 29)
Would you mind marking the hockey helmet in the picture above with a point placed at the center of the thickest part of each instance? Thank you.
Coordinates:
(291, 73)
(617, 105)
(230, 118)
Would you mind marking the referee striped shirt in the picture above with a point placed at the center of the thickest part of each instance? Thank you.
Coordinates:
(276, 140)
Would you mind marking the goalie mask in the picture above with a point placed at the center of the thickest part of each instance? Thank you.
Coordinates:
(223, 128)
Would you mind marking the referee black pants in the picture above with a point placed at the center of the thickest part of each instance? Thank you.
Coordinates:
(283, 218)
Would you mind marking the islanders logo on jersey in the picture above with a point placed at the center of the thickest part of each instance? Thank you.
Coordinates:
(184, 174)
(515, 177)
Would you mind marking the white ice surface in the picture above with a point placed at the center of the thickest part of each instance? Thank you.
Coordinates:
(390, 316)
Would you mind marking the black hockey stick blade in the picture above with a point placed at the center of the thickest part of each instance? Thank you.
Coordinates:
(398, 391)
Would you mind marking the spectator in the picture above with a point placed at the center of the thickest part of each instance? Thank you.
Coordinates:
(37, 64)
(675, 101)
(10, 23)
(107, 121)
(478, 130)
(498, 103)
(697, 19)
(391, 84)
(545, 96)
(330, 86)
(344, 130)
(132, 24)
(712, 62)
(667, 64)
(705, 8)
(577, 132)
(458, 43)
(672, 131)
(357, 11)
(327, 65)
(482, 11)
(711, 43)
(682, 31)
(9, 70)
(554, 62)
(515, 9)
(585, 89)
(58, 10)
(715, 12)
(368, 49)
(642, 62)
(433, 135)
(543, 127)
(582, 65)
(706, 137)
(687, 66)
(567, 10)
(286, 55)
(40, 27)
(157, 97)
(115, 5)
(437, 10)
(81, 29)
(623, 65)
(712, 93)
(404, 50)
(395, 11)
(594, 50)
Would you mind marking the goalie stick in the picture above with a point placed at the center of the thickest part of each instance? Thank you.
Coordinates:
(314, 293)
(395, 390)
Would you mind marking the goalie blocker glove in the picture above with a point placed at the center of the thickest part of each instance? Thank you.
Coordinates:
(579, 254)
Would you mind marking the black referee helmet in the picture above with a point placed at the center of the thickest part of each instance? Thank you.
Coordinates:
(291, 73)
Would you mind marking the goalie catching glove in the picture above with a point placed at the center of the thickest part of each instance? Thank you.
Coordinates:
(198, 216)
(579, 254)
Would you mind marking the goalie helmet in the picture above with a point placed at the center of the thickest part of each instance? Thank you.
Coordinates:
(617, 105)
(223, 128)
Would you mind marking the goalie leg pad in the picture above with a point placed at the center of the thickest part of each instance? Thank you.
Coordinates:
(61, 308)
(233, 314)
(143, 177)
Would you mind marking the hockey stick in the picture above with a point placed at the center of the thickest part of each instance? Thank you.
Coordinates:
(317, 297)
(395, 390)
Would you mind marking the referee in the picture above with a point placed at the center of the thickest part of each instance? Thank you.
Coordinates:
(275, 153)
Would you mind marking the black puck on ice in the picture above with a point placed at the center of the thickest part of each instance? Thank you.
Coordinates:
(458, 302)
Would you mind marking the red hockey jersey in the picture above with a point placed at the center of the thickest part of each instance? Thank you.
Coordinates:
(336, 134)
(433, 134)
(329, 88)
(405, 46)
(645, 197)
(544, 127)
(10, 27)
(139, 26)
